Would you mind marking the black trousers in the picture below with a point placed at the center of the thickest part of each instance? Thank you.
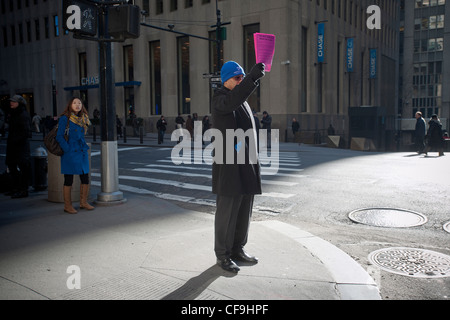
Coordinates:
(21, 175)
(231, 224)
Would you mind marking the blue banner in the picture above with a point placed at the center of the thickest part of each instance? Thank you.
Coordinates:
(321, 43)
(373, 63)
(350, 54)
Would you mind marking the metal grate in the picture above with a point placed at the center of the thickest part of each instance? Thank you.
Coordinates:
(412, 262)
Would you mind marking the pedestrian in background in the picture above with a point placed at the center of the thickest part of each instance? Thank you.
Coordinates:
(119, 127)
(234, 184)
(435, 136)
(205, 126)
(161, 125)
(179, 121)
(295, 126)
(75, 160)
(190, 126)
(36, 121)
(267, 124)
(18, 156)
(420, 133)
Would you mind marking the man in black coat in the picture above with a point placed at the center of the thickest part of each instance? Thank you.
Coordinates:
(18, 157)
(235, 184)
(435, 136)
(420, 132)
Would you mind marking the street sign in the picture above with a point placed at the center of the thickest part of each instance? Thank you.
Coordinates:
(80, 16)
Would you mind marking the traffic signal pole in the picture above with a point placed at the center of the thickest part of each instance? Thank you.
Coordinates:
(110, 193)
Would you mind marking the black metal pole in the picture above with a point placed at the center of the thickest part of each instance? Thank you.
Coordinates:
(219, 38)
(110, 192)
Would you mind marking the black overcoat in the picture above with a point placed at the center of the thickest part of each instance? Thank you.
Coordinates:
(18, 144)
(231, 111)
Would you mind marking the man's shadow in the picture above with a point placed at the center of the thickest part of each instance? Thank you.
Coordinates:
(195, 286)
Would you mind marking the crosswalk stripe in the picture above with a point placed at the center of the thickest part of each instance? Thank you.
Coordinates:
(189, 186)
(208, 176)
(164, 182)
(192, 162)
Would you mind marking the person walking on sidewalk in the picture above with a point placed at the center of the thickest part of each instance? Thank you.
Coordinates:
(75, 160)
(161, 125)
(234, 184)
(18, 156)
(420, 133)
(435, 136)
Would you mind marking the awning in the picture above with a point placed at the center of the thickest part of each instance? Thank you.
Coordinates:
(96, 86)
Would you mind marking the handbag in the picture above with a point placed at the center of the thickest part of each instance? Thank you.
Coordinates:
(50, 140)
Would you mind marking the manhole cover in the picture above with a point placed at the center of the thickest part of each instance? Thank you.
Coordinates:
(412, 262)
(387, 217)
(447, 227)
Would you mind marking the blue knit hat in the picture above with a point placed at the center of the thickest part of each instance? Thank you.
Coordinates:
(231, 69)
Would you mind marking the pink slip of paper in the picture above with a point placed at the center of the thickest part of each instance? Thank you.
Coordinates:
(264, 49)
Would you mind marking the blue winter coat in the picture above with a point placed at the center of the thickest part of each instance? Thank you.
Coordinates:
(75, 160)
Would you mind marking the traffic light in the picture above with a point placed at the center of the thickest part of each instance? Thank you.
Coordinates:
(124, 21)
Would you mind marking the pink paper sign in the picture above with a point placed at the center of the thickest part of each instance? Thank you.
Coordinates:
(265, 49)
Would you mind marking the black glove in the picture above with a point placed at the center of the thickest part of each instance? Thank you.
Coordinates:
(257, 72)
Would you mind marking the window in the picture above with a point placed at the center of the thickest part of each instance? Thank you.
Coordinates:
(13, 35)
(146, 7)
(155, 78)
(5, 36)
(159, 6)
(47, 27)
(304, 74)
(128, 74)
(37, 29)
(173, 5)
(128, 63)
(184, 90)
(21, 33)
(29, 31)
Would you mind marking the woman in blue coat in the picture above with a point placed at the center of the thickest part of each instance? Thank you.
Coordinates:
(75, 160)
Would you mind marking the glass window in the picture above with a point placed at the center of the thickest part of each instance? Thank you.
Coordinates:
(440, 21)
(184, 89)
(155, 78)
(128, 63)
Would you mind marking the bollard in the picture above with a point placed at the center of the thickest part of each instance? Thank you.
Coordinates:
(94, 133)
(56, 180)
(141, 134)
(40, 168)
(124, 134)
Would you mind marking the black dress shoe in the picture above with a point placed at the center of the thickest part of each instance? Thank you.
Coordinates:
(228, 265)
(244, 257)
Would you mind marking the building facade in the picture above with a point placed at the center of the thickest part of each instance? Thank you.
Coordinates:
(424, 64)
(330, 60)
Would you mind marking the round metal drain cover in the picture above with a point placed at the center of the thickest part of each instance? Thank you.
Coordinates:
(388, 217)
(412, 262)
(447, 227)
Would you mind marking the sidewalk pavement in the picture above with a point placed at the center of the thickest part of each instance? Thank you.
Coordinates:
(148, 248)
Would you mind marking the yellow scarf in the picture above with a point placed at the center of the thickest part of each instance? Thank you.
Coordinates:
(82, 121)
